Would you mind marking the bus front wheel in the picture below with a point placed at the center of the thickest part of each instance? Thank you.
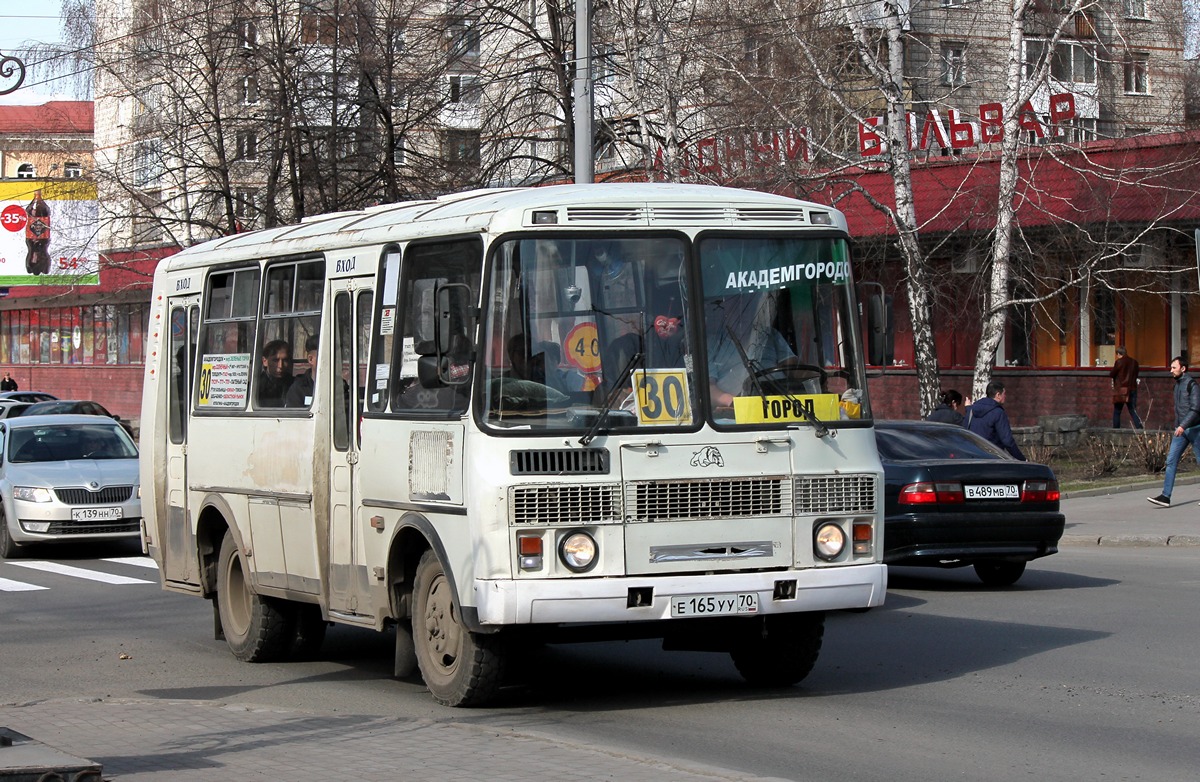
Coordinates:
(779, 650)
(460, 668)
(256, 628)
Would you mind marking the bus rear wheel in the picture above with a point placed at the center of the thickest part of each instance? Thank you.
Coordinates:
(780, 650)
(256, 628)
(460, 668)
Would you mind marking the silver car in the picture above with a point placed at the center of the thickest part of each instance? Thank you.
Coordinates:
(66, 478)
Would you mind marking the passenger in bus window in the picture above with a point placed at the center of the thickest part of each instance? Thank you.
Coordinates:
(300, 393)
(276, 375)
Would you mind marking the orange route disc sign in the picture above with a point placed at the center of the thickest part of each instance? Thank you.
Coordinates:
(583, 347)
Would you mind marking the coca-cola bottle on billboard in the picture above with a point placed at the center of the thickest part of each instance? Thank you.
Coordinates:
(37, 235)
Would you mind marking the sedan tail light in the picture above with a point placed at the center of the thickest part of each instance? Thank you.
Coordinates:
(1040, 491)
(929, 493)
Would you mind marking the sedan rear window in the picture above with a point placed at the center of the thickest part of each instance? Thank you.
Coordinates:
(62, 443)
(932, 442)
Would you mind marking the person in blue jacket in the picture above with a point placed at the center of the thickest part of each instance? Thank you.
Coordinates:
(987, 419)
(1187, 427)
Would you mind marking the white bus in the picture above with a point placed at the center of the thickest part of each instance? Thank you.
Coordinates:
(518, 415)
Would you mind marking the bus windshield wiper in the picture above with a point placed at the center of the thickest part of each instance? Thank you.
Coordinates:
(758, 376)
(611, 399)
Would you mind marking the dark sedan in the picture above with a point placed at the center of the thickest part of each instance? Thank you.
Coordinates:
(74, 407)
(953, 499)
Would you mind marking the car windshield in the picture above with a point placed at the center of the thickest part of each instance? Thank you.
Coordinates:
(932, 442)
(63, 443)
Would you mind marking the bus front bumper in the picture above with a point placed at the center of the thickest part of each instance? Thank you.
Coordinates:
(633, 599)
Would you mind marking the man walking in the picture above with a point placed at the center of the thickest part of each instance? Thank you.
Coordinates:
(1187, 426)
(988, 419)
(8, 384)
(1124, 376)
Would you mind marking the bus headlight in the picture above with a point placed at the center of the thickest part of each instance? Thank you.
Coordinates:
(829, 541)
(578, 551)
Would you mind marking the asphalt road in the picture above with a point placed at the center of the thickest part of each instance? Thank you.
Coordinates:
(1084, 670)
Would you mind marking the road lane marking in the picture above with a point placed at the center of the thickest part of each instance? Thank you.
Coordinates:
(78, 572)
(7, 585)
(137, 561)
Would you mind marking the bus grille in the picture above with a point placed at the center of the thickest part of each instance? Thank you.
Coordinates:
(565, 461)
(707, 499)
(595, 503)
(107, 495)
(835, 494)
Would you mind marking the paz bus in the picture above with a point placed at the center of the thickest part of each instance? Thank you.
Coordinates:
(518, 416)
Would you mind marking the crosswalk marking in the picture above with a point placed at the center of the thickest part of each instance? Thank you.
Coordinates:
(78, 572)
(7, 585)
(136, 561)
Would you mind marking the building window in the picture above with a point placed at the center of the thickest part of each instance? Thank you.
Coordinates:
(26, 171)
(102, 334)
(464, 39)
(250, 90)
(1072, 62)
(1137, 73)
(462, 147)
(954, 69)
(604, 64)
(245, 205)
(248, 33)
(464, 89)
(247, 145)
(146, 166)
(1135, 9)
(399, 154)
(757, 55)
(72, 169)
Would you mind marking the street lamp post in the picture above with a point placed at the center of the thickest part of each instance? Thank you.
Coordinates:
(584, 164)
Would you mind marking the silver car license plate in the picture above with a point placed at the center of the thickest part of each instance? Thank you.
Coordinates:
(96, 514)
(989, 492)
(715, 605)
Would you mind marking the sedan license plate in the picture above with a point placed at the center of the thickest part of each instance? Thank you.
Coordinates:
(989, 492)
(715, 605)
(96, 514)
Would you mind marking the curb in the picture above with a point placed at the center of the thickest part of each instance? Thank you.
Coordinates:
(1182, 480)
(1130, 541)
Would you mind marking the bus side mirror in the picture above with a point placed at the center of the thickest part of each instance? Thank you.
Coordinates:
(880, 330)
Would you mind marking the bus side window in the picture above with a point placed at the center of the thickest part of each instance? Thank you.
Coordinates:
(291, 328)
(228, 338)
(442, 278)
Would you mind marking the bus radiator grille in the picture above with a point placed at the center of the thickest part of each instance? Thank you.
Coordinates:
(595, 503)
(835, 494)
(701, 500)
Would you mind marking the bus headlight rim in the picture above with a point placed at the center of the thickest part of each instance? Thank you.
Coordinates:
(829, 541)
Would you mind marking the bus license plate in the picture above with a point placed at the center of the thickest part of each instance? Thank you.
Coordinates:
(1003, 492)
(715, 605)
(96, 514)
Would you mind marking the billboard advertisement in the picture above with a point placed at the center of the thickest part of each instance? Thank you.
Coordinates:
(48, 232)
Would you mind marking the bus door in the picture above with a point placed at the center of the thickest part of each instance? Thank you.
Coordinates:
(176, 538)
(352, 304)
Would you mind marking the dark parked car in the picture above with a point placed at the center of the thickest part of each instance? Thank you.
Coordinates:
(28, 396)
(953, 499)
(74, 407)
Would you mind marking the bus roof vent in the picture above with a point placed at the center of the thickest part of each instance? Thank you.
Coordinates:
(605, 214)
(688, 214)
(770, 214)
(560, 461)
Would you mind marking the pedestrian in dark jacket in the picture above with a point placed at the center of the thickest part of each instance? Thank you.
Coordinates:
(8, 384)
(1124, 374)
(987, 419)
(1187, 426)
(950, 410)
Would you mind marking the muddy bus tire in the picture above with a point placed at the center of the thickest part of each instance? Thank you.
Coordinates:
(460, 668)
(256, 628)
(780, 650)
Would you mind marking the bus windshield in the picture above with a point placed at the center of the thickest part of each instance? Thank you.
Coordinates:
(599, 333)
(781, 331)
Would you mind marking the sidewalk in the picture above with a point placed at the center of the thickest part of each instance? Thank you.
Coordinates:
(207, 741)
(1121, 516)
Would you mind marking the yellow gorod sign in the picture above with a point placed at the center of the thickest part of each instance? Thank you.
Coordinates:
(781, 409)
